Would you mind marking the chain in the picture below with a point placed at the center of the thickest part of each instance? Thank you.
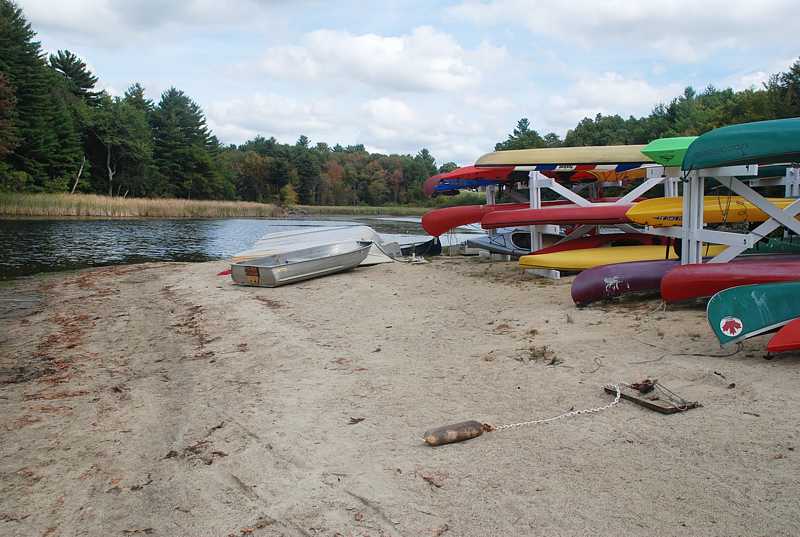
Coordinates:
(566, 414)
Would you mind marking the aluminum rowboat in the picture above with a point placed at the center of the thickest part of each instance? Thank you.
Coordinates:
(304, 264)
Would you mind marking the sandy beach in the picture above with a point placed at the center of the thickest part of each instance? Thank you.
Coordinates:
(160, 399)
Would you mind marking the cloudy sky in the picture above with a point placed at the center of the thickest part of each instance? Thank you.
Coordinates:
(397, 76)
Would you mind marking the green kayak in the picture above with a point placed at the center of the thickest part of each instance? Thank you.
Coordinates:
(669, 151)
(738, 313)
(762, 142)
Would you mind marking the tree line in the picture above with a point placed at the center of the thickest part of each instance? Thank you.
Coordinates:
(689, 114)
(59, 133)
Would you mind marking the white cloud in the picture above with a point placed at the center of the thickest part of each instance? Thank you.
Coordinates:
(606, 93)
(679, 30)
(116, 22)
(286, 118)
(423, 60)
(757, 77)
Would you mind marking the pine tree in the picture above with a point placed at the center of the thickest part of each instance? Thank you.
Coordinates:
(135, 97)
(78, 77)
(9, 136)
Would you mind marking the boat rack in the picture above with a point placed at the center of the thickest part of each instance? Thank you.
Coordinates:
(693, 232)
(739, 179)
(655, 175)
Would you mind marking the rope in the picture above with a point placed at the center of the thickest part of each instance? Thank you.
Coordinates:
(566, 414)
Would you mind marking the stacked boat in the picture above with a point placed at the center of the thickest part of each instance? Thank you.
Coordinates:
(620, 246)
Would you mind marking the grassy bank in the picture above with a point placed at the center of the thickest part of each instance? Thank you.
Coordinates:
(358, 210)
(93, 206)
(90, 205)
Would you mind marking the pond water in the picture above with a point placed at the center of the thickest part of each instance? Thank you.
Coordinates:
(32, 246)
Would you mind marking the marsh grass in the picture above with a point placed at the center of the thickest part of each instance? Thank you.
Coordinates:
(93, 206)
(360, 210)
(90, 205)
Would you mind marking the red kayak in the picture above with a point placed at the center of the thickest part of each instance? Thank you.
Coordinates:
(598, 214)
(606, 239)
(787, 338)
(698, 281)
(440, 221)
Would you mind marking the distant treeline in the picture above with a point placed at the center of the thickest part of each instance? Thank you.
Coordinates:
(58, 133)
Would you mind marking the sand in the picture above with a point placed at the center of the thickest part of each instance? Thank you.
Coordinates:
(161, 400)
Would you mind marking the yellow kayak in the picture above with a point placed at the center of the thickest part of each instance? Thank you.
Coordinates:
(593, 257)
(665, 212)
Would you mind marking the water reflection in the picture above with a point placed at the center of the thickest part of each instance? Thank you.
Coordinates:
(32, 246)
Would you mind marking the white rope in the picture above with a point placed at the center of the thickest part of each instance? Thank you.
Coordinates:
(566, 414)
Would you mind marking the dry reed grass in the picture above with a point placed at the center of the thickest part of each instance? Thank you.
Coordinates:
(90, 205)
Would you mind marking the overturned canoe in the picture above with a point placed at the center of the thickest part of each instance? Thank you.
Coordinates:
(786, 339)
(290, 267)
(610, 281)
(702, 280)
(745, 311)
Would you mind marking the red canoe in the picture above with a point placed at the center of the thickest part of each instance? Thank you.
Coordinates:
(598, 214)
(787, 338)
(440, 221)
(697, 281)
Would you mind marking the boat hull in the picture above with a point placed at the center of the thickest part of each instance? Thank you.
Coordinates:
(578, 260)
(787, 339)
(597, 214)
(745, 311)
(688, 282)
(282, 269)
(610, 281)
(667, 212)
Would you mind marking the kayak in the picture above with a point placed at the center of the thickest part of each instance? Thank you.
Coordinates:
(595, 214)
(609, 281)
(665, 212)
(701, 280)
(760, 142)
(585, 155)
(577, 260)
(787, 338)
(669, 151)
(440, 221)
(518, 242)
(745, 311)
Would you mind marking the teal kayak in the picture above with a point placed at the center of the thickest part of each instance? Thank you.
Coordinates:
(669, 151)
(761, 142)
(745, 311)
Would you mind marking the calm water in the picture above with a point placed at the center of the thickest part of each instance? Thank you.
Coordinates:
(31, 246)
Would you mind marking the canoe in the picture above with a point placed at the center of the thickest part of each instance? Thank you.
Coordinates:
(608, 154)
(666, 212)
(669, 151)
(289, 241)
(596, 214)
(304, 264)
(786, 339)
(761, 142)
(577, 260)
(609, 281)
(449, 183)
(702, 280)
(440, 221)
(745, 311)
(517, 242)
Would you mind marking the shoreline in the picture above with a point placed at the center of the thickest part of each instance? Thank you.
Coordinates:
(92, 206)
(161, 399)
